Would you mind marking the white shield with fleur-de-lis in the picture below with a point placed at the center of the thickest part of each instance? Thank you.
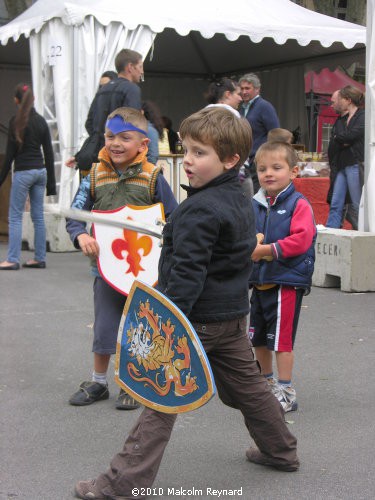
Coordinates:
(125, 254)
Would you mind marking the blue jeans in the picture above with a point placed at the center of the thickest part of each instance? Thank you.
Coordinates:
(32, 183)
(346, 179)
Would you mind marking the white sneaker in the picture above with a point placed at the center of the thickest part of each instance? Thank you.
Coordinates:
(287, 398)
(273, 385)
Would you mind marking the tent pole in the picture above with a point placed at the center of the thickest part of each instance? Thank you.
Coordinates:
(312, 104)
(75, 76)
(368, 145)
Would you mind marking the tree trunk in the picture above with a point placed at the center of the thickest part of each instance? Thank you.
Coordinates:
(16, 7)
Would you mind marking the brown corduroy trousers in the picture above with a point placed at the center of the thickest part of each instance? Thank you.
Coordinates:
(239, 384)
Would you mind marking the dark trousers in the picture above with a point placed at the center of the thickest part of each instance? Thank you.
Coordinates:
(251, 171)
(239, 384)
(254, 177)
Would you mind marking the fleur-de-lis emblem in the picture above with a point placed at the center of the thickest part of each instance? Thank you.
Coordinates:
(132, 244)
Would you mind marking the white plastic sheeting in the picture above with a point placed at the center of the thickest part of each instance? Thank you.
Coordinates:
(277, 19)
(66, 64)
(369, 190)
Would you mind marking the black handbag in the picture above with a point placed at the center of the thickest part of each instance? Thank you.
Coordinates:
(88, 154)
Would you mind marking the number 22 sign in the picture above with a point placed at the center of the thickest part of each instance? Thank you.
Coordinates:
(55, 51)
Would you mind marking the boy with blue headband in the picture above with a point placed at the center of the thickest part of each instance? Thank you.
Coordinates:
(121, 177)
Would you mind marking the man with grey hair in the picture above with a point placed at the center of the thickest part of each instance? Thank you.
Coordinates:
(260, 114)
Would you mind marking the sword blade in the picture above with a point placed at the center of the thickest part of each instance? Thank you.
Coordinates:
(108, 220)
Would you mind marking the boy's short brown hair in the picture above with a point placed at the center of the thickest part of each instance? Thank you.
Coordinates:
(280, 135)
(222, 130)
(132, 116)
(269, 147)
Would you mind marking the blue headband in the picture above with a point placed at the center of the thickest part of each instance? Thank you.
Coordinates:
(117, 124)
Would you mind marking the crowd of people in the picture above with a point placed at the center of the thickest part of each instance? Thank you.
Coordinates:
(233, 234)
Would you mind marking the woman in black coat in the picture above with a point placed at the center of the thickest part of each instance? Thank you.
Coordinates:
(33, 171)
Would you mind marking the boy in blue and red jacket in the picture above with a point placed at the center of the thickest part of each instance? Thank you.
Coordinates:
(284, 264)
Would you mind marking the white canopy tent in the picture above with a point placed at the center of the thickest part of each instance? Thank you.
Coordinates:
(73, 42)
(369, 191)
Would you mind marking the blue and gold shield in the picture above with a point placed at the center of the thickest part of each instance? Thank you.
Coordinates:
(160, 360)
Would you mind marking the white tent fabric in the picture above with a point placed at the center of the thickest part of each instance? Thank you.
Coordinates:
(369, 191)
(72, 42)
(277, 19)
(69, 62)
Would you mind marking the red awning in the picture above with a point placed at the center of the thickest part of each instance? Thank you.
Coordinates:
(326, 82)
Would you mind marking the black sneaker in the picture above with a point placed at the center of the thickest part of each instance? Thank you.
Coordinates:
(126, 402)
(88, 393)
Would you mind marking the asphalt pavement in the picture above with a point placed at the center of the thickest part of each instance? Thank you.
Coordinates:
(46, 445)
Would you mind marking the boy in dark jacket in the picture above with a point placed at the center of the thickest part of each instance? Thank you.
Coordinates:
(284, 266)
(204, 268)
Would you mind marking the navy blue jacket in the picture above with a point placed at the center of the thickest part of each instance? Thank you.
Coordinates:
(115, 94)
(262, 117)
(274, 222)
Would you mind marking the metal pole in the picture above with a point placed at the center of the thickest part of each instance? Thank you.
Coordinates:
(75, 101)
(369, 104)
(311, 110)
(108, 220)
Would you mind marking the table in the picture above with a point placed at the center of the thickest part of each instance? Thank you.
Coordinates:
(315, 189)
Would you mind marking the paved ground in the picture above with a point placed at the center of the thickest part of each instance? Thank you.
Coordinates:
(46, 445)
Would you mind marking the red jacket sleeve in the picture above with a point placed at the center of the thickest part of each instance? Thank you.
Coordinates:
(302, 232)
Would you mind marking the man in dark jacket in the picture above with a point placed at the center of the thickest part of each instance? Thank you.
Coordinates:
(333, 158)
(120, 92)
(260, 114)
(106, 77)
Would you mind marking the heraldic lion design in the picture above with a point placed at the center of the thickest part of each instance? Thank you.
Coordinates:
(153, 348)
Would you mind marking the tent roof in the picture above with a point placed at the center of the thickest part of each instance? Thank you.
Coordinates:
(277, 19)
(326, 82)
(262, 32)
